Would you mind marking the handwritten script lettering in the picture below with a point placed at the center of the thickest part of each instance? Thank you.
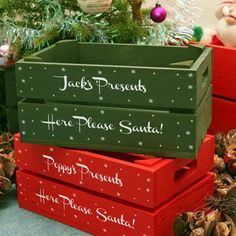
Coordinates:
(99, 83)
(70, 205)
(84, 171)
(125, 126)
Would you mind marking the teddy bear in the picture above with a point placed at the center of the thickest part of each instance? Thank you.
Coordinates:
(225, 31)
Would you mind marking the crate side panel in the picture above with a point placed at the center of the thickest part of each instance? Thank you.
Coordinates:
(119, 75)
(126, 180)
(223, 116)
(224, 72)
(12, 120)
(10, 86)
(177, 175)
(132, 130)
(204, 74)
(102, 216)
(192, 199)
(117, 178)
(136, 87)
(80, 209)
(204, 117)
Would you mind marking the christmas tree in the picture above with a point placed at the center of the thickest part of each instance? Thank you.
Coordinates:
(29, 29)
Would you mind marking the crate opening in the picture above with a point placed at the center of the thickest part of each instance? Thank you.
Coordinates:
(185, 170)
(128, 157)
(72, 52)
(205, 77)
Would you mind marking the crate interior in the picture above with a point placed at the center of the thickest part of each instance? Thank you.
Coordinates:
(72, 52)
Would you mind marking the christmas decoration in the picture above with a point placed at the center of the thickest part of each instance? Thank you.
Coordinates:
(226, 27)
(7, 164)
(158, 13)
(224, 32)
(123, 22)
(60, 20)
(7, 55)
(198, 33)
(177, 29)
(225, 150)
(219, 216)
(94, 6)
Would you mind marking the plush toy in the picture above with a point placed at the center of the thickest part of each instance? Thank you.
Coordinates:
(226, 27)
(225, 31)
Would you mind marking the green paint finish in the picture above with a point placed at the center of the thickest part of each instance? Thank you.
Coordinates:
(138, 76)
(12, 120)
(118, 129)
(8, 95)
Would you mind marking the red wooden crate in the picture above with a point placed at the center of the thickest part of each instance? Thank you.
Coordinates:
(223, 116)
(140, 179)
(101, 215)
(224, 72)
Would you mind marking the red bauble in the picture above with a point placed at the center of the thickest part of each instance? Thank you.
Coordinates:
(158, 13)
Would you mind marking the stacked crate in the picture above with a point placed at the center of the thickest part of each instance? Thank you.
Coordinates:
(224, 87)
(8, 100)
(123, 99)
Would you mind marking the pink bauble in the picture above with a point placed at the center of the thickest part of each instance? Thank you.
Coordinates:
(158, 14)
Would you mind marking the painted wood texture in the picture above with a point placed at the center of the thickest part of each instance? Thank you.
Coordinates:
(224, 73)
(134, 178)
(224, 115)
(101, 215)
(8, 95)
(117, 75)
(12, 120)
(117, 129)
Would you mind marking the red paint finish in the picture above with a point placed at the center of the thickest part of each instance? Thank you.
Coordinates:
(223, 115)
(99, 215)
(139, 179)
(224, 73)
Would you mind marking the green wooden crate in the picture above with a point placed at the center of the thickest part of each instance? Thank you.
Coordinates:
(8, 94)
(8, 100)
(3, 119)
(129, 98)
(155, 132)
(12, 120)
(138, 76)
(9, 119)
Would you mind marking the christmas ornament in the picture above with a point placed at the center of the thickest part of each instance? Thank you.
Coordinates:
(4, 50)
(7, 55)
(158, 13)
(94, 6)
(7, 163)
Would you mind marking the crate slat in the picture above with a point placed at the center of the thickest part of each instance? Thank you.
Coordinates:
(135, 177)
(101, 215)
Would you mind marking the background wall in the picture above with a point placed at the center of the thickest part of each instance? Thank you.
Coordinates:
(207, 17)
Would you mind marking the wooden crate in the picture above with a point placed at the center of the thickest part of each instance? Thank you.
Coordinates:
(8, 99)
(135, 178)
(153, 132)
(223, 116)
(9, 119)
(8, 94)
(3, 119)
(101, 216)
(224, 72)
(117, 75)
(150, 105)
(12, 120)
